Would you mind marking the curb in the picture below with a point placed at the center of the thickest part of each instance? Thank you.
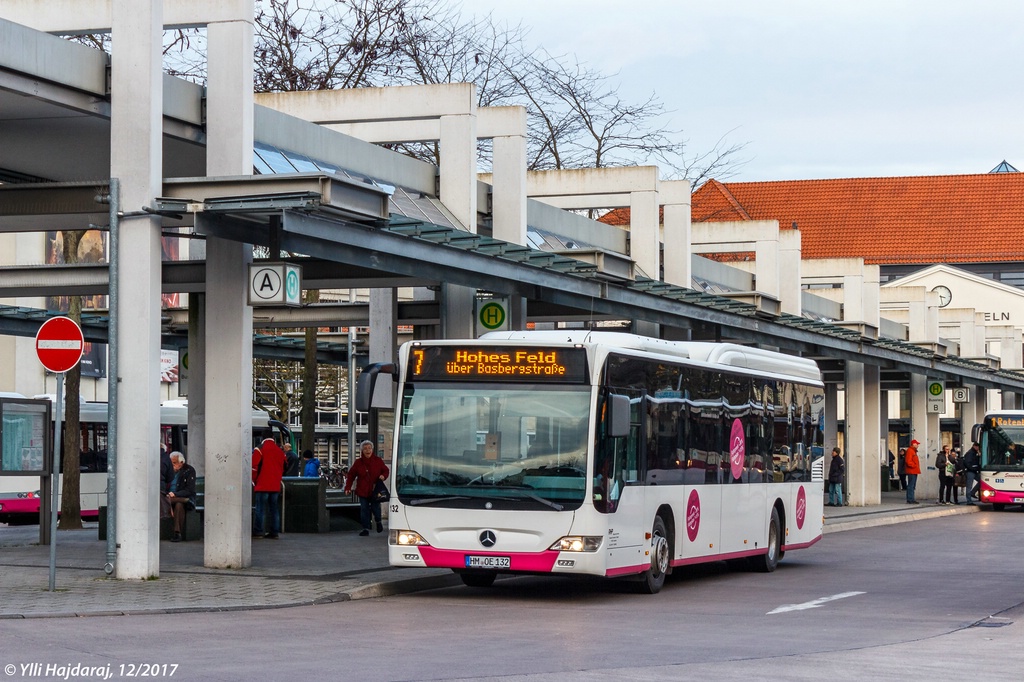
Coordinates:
(869, 519)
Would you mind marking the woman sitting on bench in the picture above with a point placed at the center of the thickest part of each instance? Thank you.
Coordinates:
(182, 493)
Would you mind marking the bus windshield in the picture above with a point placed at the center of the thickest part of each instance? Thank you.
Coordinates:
(469, 445)
(1002, 446)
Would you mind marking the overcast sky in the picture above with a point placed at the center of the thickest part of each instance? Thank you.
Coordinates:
(816, 88)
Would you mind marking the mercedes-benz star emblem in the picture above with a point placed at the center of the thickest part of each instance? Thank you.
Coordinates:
(487, 538)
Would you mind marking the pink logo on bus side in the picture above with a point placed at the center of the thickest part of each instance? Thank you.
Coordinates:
(801, 507)
(693, 515)
(737, 448)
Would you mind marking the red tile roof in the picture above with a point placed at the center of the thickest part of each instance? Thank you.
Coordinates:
(937, 219)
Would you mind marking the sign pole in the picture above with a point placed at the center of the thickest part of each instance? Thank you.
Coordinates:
(59, 346)
(54, 502)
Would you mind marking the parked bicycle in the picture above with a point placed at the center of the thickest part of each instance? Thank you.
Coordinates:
(334, 475)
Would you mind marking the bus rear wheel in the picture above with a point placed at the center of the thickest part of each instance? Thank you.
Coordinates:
(767, 562)
(477, 578)
(653, 579)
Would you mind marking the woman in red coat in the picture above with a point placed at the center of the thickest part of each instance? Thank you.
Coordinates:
(366, 471)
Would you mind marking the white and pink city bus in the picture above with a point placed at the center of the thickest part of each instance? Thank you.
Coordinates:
(600, 453)
(1001, 436)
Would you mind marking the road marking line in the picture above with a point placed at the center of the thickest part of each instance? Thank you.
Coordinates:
(813, 604)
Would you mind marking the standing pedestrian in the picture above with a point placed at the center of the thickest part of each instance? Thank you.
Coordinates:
(901, 468)
(366, 471)
(836, 472)
(972, 469)
(268, 463)
(913, 469)
(311, 465)
(951, 469)
(945, 481)
(291, 460)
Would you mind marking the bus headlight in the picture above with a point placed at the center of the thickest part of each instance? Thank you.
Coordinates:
(578, 543)
(406, 538)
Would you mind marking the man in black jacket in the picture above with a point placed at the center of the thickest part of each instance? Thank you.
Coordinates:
(836, 473)
(972, 471)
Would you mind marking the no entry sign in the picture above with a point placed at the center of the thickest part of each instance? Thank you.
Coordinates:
(59, 344)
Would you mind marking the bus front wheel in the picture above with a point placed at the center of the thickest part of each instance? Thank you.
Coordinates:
(767, 562)
(998, 507)
(653, 578)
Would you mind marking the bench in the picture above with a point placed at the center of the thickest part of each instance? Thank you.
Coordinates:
(193, 525)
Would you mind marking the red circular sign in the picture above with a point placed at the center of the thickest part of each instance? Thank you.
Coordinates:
(59, 344)
(801, 508)
(693, 515)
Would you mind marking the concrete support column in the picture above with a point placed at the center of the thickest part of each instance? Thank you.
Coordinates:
(136, 137)
(831, 418)
(766, 267)
(458, 168)
(458, 194)
(1010, 351)
(924, 427)
(384, 339)
(197, 381)
(229, 98)
(790, 292)
(644, 244)
(228, 519)
(677, 230)
(971, 413)
(457, 312)
(508, 198)
(228, 395)
(863, 459)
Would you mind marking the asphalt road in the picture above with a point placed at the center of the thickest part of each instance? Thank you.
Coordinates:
(939, 599)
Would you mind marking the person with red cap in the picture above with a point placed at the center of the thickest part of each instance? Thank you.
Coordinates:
(913, 468)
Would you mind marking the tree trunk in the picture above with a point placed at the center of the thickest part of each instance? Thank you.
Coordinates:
(70, 496)
(310, 379)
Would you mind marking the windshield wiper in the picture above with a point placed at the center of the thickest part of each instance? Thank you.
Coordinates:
(532, 496)
(431, 500)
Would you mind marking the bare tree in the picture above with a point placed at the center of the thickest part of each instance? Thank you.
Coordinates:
(70, 494)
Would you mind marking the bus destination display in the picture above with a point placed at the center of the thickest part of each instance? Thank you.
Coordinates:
(498, 363)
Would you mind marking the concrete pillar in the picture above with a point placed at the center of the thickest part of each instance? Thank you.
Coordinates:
(677, 229)
(971, 413)
(197, 381)
(457, 308)
(508, 197)
(228, 519)
(644, 244)
(458, 167)
(384, 339)
(458, 194)
(790, 291)
(228, 353)
(925, 428)
(136, 134)
(831, 417)
(766, 266)
(863, 407)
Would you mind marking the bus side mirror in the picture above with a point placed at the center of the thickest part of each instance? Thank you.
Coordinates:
(618, 416)
(975, 434)
(286, 433)
(368, 380)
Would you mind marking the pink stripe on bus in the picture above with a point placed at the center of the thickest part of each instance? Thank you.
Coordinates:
(519, 561)
(800, 545)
